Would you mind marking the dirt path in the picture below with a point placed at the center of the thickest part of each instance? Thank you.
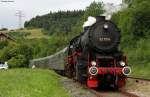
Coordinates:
(141, 88)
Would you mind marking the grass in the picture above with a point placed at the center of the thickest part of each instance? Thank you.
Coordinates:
(35, 33)
(142, 71)
(30, 83)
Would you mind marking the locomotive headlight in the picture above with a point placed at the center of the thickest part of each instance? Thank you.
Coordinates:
(126, 70)
(122, 63)
(106, 26)
(93, 70)
(93, 63)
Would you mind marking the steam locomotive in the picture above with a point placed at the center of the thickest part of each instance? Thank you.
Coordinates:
(94, 57)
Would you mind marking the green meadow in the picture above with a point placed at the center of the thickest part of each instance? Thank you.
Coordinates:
(30, 83)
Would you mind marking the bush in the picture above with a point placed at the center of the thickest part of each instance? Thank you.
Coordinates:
(17, 61)
(142, 52)
(3, 44)
(17, 54)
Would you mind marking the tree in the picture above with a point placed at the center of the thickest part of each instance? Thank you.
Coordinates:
(3, 29)
(95, 9)
(135, 20)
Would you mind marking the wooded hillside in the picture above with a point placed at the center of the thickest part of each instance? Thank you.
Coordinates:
(57, 22)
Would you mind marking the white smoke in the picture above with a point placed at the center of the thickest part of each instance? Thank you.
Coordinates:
(110, 9)
(91, 20)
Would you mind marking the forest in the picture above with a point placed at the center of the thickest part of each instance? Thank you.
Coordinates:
(61, 21)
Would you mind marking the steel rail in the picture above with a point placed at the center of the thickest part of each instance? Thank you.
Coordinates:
(122, 91)
(138, 78)
(98, 93)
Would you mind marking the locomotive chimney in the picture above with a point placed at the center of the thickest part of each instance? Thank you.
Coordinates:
(100, 18)
(86, 28)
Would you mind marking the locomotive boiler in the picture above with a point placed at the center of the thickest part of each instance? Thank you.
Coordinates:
(94, 57)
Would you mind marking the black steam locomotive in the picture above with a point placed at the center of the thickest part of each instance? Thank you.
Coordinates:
(94, 57)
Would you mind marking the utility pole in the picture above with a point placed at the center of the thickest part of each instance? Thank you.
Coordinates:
(2, 26)
(20, 15)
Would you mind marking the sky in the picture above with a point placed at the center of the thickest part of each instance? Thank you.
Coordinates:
(32, 8)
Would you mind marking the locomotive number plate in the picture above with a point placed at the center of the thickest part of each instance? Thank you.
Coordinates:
(104, 39)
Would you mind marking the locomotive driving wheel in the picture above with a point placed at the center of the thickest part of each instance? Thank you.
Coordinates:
(69, 70)
(79, 74)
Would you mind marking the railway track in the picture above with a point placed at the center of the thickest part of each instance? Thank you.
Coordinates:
(127, 93)
(100, 93)
(96, 93)
(142, 79)
(120, 92)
